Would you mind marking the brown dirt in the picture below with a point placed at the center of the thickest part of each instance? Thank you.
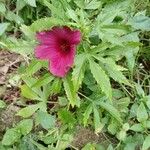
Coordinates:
(84, 136)
(9, 62)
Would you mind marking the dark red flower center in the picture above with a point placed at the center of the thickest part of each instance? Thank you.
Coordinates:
(65, 46)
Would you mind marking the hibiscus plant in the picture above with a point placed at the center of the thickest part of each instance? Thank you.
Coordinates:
(78, 70)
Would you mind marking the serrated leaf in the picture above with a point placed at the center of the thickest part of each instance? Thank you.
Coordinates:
(11, 136)
(2, 104)
(27, 111)
(72, 14)
(44, 24)
(66, 117)
(46, 120)
(97, 124)
(20, 4)
(31, 2)
(111, 109)
(33, 67)
(78, 71)
(69, 89)
(3, 27)
(20, 46)
(86, 114)
(146, 144)
(56, 10)
(47, 78)
(93, 4)
(27, 92)
(142, 114)
(2, 8)
(11, 16)
(101, 78)
(113, 70)
(25, 126)
(140, 21)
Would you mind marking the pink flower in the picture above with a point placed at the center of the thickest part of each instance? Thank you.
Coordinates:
(58, 46)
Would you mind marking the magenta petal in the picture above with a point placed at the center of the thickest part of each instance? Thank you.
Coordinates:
(62, 64)
(58, 46)
(47, 37)
(76, 37)
(45, 52)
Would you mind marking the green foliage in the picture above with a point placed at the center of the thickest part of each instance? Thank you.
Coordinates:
(107, 88)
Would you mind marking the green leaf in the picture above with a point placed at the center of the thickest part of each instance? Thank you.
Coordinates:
(47, 78)
(140, 21)
(2, 8)
(27, 92)
(78, 71)
(66, 117)
(62, 101)
(27, 111)
(11, 136)
(111, 109)
(113, 70)
(72, 14)
(44, 24)
(93, 4)
(113, 127)
(2, 104)
(31, 2)
(69, 89)
(146, 143)
(142, 113)
(29, 81)
(87, 113)
(137, 128)
(101, 78)
(20, 46)
(122, 103)
(46, 120)
(56, 9)
(25, 126)
(11, 16)
(97, 124)
(34, 66)
(20, 4)
(3, 27)
(139, 90)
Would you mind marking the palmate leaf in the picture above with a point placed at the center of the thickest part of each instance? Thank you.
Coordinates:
(78, 71)
(113, 70)
(101, 78)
